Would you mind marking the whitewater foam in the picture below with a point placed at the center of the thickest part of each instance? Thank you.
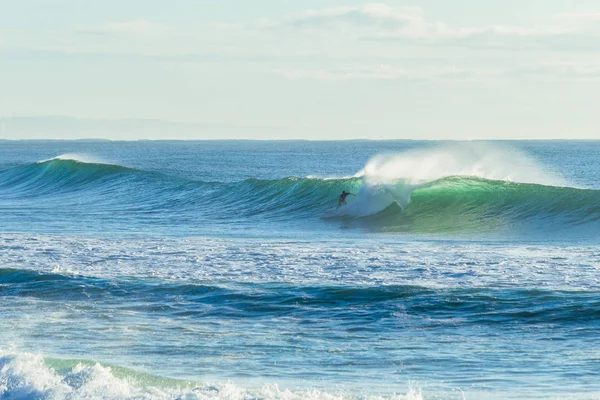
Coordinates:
(27, 376)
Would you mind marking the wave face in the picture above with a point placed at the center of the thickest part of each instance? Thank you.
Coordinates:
(478, 205)
(420, 193)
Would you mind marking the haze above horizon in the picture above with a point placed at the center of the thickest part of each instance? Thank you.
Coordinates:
(421, 69)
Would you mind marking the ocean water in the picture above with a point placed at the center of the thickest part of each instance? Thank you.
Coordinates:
(223, 270)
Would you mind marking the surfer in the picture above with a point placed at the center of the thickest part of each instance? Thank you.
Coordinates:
(342, 199)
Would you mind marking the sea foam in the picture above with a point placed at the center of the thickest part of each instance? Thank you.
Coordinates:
(27, 376)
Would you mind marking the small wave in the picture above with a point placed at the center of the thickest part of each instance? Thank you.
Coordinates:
(31, 376)
(486, 305)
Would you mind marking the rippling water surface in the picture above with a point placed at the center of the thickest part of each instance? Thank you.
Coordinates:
(224, 270)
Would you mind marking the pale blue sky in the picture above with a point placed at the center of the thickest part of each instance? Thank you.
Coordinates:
(431, 69)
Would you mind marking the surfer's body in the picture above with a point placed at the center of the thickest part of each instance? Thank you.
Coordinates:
(342, 198)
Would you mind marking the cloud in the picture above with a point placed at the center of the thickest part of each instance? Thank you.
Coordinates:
(578, 17)
(519, 31)
(367, 15)
(373, 18)
(377, 21)
(383, 72)
(560, 71)
(542, 71)
(129, 28)
(326, 33)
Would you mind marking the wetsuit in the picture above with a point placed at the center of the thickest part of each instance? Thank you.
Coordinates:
(342, 199)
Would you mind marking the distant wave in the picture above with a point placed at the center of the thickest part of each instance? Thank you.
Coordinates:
(59, 176)
(427, 201)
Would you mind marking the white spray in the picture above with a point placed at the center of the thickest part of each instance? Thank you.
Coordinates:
(393, 177)
(79, 157)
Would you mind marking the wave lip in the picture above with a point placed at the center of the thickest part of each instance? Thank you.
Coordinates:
(79, 157)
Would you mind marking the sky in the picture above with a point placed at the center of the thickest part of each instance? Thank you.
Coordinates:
(282, 69)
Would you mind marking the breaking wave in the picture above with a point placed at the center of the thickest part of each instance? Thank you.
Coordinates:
(431, 190)
(31, 376)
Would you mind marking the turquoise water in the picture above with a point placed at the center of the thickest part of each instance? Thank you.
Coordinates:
(223, 270)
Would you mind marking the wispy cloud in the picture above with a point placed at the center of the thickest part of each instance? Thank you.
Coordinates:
(572, 71)
(127, 28)
(381, 21)
(329, 32)
(368, 19)
(540, 71)
(586, 17)
(383, 72)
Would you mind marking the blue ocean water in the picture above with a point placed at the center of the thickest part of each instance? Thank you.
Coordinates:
(224, 270)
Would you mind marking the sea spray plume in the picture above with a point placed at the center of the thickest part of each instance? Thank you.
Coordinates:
(481, 160)
(392, 178)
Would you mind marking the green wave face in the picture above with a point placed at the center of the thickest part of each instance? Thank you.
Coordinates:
(55, 176)
(459, 204)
